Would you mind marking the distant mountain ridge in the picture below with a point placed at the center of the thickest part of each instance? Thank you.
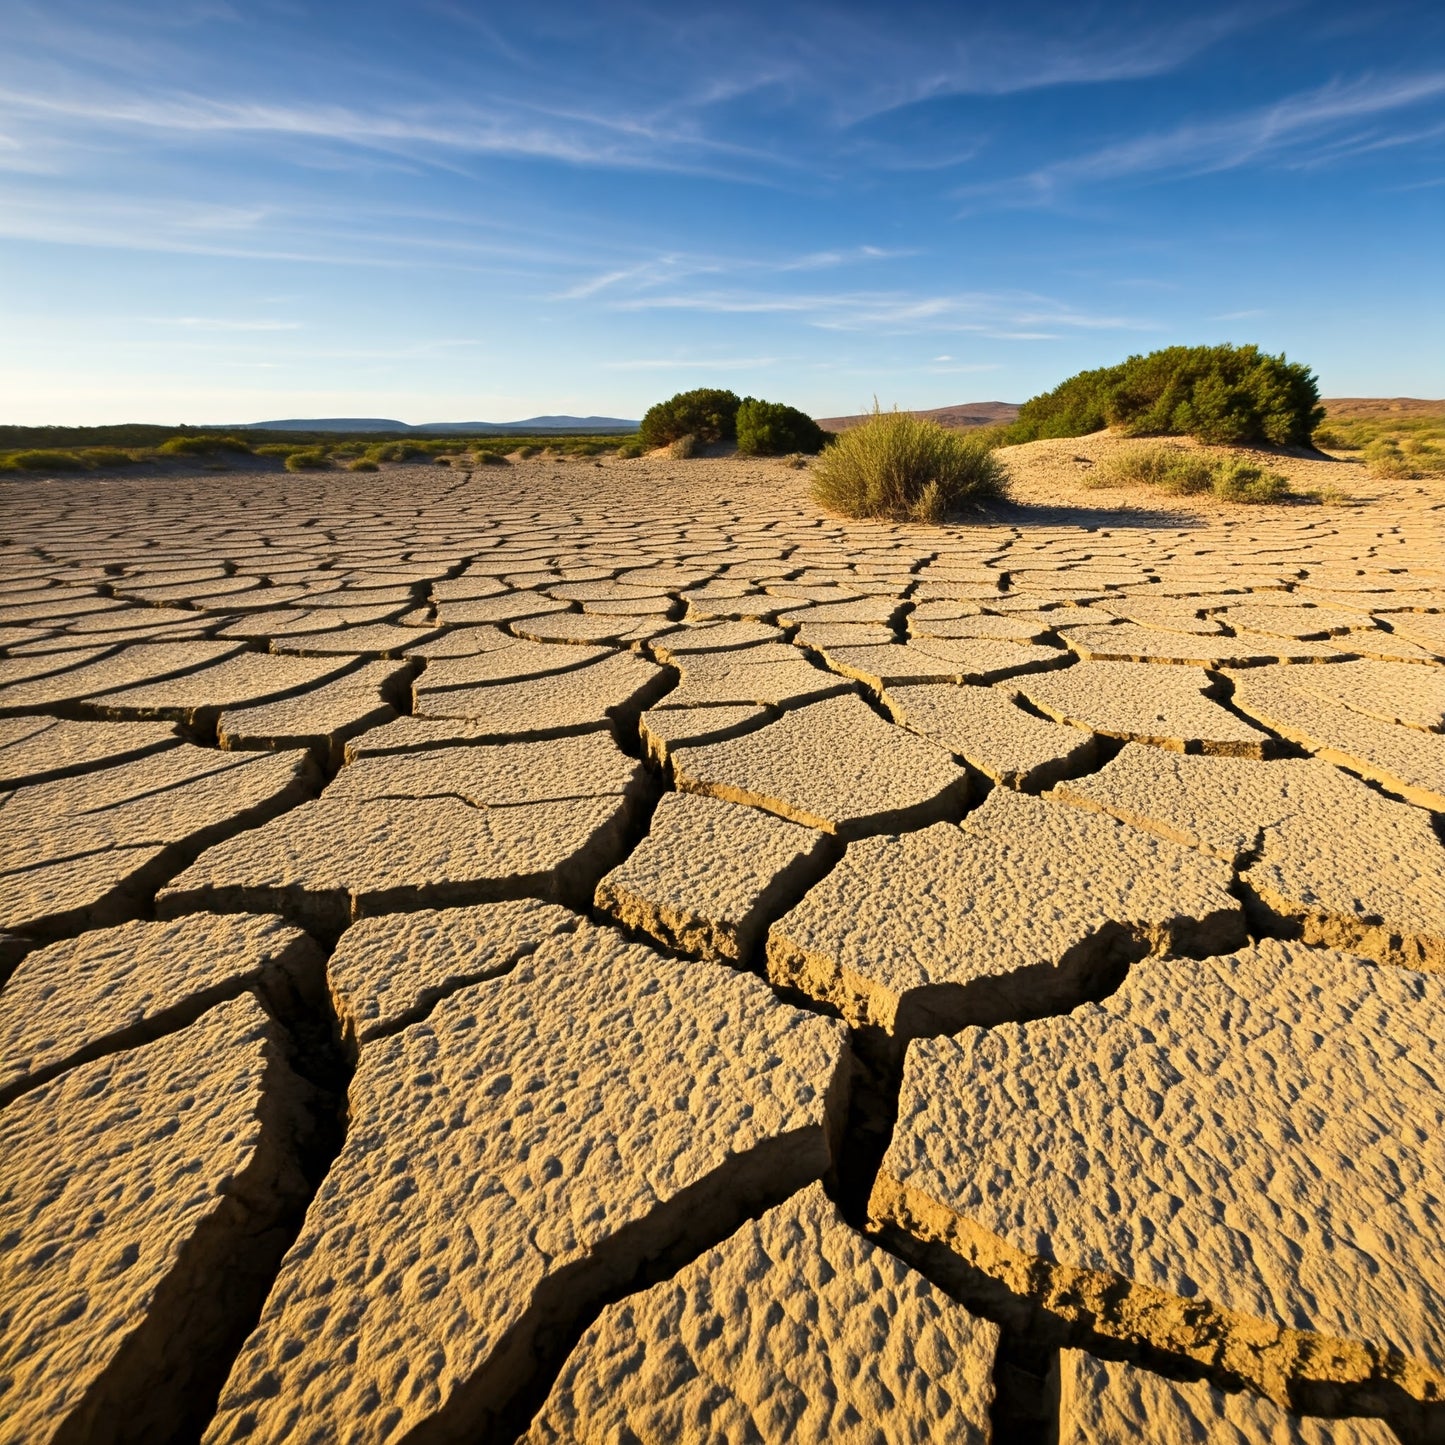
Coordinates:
(959, 417)
(531, 425)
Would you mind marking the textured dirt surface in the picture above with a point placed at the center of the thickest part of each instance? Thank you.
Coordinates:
(795, 1328)
(1226, 1165)
(597, 1104)
(1108, 1403)
(142, 1215)
(710, 875)
(1025, 908)
(601, 950)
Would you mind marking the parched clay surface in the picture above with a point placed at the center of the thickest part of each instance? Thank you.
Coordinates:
(146, 1202)
(114, 988)
(662, 729)
(88, 676)
(924, 933)
(322, 719)
(711, 875)
(197, 698)
(794, 1328)
(1110, 1403)
(1224, 1164)
(834, 765)
(1129, 642)
(1139, 702)
(596, 1105)
(773, 675)
(988, 729)
(580, 700)
(387, 972)
(1376, 886)
(1403, 760)
(444, 827)
(685, 678)
(89, 850)
(39, 749)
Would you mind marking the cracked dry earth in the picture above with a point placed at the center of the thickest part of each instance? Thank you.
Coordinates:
(606, 953)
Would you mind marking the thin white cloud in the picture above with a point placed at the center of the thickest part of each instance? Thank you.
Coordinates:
(1269, 133)
(1010, 314)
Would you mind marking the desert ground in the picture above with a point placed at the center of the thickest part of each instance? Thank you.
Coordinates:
(602, 951)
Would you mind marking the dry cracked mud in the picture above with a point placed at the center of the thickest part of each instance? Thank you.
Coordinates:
(587, 952)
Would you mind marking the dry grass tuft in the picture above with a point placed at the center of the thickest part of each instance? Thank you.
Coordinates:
(904, 468)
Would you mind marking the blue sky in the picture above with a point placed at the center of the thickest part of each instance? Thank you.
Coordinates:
(448, 210)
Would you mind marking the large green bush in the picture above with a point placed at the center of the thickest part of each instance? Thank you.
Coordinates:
(905, 468)
(770, 429)
(1229, 395)
(708, 414)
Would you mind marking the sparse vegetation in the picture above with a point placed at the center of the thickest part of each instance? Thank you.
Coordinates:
(44, 461)
(706, 413)
(770, 429)
(1187, 473)
(629, 450)
(900, 467)
(492, 459)
(1228, 395)
(308, 460)
(683, 448)
(1392, 444)
(202, 446)
(364, 464)
(107, 457)
(41, 449)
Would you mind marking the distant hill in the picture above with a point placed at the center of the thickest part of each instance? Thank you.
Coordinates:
(959, 418)
(531, 426)
(1379, 406)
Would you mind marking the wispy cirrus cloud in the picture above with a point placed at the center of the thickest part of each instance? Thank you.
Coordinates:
(1002, 315)
(1297, 130)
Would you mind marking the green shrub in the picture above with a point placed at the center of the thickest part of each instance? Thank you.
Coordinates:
(44, 461)
(1168, 468)
(683, 448)
(1239, 481)
(1187, 474)
(107, 457)
(277, 449)
(364, 464)
(395, 451)
(770, 429)
(492, 459)
(903, 467)
(201, 446)
(523, 453)
(309, 459)
(630, 449)
(708, 414)
(1230, 395)
(1387, 460)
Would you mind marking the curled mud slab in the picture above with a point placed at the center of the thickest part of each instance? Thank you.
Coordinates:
(474, 944)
